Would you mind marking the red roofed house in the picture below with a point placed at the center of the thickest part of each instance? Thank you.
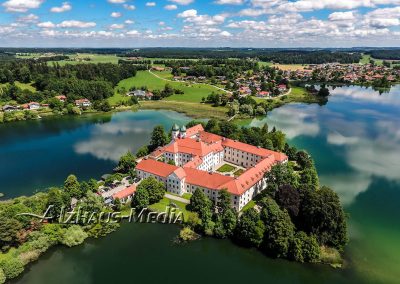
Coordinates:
(61, 98)
(197, 154)
(125, 194)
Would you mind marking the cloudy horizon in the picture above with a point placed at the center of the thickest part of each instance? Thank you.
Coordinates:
(195, 23)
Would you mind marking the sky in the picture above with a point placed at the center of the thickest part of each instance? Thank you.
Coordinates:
(199, 23)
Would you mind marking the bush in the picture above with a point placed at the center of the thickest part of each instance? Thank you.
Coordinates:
(12, 267)
(186, 234)
(2, 276)
(74, 236)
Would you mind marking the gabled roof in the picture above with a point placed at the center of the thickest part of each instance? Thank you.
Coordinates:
(193, 147)
(125, 192)
(194, 130)
(156, 168)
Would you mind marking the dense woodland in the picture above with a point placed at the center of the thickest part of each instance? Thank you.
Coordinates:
(385, 54)
(92, 81)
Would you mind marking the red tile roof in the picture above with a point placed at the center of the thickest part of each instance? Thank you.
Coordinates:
(193, 147)
(206, 179)
(125, 192)
(156, 168)
(194, 130)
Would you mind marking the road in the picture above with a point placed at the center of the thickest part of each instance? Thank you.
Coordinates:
(177, 198)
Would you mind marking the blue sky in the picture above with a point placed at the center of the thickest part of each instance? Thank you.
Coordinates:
(200, 23)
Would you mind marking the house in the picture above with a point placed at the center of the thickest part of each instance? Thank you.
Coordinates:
(125, 194)
(31, 106)
(263, 94)
(282, 88)
(10, 108)
(196, 154)
(83, 103)
(140, 94)
(61, 98)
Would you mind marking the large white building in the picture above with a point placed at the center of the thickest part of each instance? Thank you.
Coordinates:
(196, 154)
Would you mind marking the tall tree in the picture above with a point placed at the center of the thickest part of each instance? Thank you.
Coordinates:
(158, 138)
(250, 229)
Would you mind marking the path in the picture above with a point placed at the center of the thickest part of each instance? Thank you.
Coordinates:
(177, 198)
(193, 83)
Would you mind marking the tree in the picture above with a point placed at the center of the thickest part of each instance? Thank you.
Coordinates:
(309, 178)
(199, 201)
(126, 163)
(55, 199)
(322, 215)
(158, 138)
(154, 188)
(304, 248)
(117, 204)
(140, 199)
(142, 151)
(250, 229)
(281, 174)
(9, 229)
(224, 201)
(225, 223)
(278, 139)
(288, 198)
(304, 160)
(74, 236)
(72, 187)
(279, 229)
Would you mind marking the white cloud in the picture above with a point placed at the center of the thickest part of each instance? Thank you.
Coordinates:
(133, 33)
(129, 7)
(229, 2)
(46, 25)
(151, 4)
(117, 26)
(182, 2)
(21, 6)
(31, 18)
(63, 8)
(170, 7)
(76, 24)
(342, 16)
(116, 14)
(225, 34)
(129, 22)
(188, 13)
(116, 1)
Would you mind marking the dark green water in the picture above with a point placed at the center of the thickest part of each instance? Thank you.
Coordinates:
(355, 140)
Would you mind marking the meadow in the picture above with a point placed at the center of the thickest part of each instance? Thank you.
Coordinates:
(192, 92)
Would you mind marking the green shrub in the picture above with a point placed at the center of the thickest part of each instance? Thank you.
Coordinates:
(74, 236)
(12, 267)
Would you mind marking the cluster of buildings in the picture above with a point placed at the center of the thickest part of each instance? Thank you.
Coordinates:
(82, 103)
(346, 73)
(190, 161)
(141, 94)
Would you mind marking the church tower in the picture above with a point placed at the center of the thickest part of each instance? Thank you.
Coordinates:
(175, 131)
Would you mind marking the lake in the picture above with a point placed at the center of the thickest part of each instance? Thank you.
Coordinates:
(354, 139)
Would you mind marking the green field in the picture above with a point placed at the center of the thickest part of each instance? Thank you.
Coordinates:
(194, 110)
(226, 168)
(94, 59)
(366, 58)
(23, 86)
(193, 92)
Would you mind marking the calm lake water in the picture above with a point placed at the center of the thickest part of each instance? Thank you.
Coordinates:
(354, 138)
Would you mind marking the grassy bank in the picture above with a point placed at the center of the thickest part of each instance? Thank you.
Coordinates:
(195, 110)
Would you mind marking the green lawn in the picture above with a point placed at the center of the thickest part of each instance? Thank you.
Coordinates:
(161, 206)
(193, 92)
(226, 168)
(249, 205)
(238, 172)
(194, 110)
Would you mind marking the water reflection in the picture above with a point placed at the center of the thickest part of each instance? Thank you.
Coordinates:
(361, 134)
(126, 131)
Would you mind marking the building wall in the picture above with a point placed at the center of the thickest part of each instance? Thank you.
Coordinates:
(240, 158)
